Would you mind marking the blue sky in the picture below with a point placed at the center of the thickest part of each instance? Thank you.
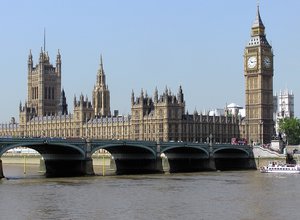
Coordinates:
(198, 44)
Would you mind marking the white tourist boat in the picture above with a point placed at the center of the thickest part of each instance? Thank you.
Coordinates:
(274, 167)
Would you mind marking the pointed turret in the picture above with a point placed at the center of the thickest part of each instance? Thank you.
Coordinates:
(81, 99)
(258, 36)
(58, 57)
(41, 55)
(63, 106)
(101, 62)
(30, 57)
(132, 97)
(30, 62)
(165, 95)
(155, 95)
(180, 95)
(58, 63)
(258, 24)
(101, 74)
(75, 101)
(101, 94)
(195, 112)
(44, 39)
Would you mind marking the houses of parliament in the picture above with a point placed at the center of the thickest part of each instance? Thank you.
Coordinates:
(162, 117)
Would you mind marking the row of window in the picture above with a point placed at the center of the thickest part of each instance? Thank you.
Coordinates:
(34, 93)
(49, 93)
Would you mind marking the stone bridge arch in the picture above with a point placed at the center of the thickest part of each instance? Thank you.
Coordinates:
(186, 158)
(48, 150)
(131, 157)
(233, 158)
(60, 158)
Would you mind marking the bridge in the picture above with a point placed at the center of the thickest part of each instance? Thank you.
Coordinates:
(73, 157)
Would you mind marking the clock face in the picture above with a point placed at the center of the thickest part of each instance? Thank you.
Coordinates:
(252, 61)
(267, 62)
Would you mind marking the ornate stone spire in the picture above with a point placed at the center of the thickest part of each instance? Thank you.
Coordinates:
(101, 95)
(63, 106)
(58, 57)
(258, 22)
(101, 74)
(156, 95)
(258, 36)
(30, 56)
(101, 61)
(30, 62)
(258, 28)
(180, 95)
(132, 97)
(75, 101)
(58, 63)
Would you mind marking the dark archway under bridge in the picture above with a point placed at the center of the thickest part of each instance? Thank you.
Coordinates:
(131, 157)
(61, 158)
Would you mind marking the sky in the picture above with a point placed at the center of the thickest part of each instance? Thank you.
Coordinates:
(198, 44)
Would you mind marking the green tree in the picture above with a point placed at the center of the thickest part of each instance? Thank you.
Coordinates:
(291, 128)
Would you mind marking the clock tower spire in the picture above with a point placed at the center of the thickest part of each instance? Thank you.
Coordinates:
(258, 72)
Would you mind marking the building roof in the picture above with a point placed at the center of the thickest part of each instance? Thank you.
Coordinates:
(258, 22)
(233, 105)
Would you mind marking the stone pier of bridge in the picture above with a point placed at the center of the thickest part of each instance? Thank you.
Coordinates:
(66, 168)
(1, 170)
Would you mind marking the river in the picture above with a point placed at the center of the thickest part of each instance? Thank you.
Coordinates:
(231, 195)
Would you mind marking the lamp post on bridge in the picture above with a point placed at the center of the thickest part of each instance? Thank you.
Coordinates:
(210, 139)
(261, 131)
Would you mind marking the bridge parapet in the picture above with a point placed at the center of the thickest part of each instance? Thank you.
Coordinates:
(97, 144)
(91, 145)
(10, 143)
(243, 148)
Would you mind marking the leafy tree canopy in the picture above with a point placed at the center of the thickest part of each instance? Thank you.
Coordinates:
(291, 128)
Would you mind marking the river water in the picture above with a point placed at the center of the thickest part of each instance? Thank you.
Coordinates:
(228, 195)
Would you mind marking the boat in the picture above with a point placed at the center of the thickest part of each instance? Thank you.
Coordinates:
(274, 167)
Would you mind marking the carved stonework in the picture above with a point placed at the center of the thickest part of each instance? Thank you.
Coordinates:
(258, 72)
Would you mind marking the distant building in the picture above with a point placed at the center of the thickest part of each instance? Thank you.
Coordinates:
(285, 104)
(217, 112)
(235, 109)
(284, 107)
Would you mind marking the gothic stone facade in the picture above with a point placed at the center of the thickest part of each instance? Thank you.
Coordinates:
(161, 118)
(258, 72)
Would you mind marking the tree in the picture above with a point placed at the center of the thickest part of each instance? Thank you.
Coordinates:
(291, 128)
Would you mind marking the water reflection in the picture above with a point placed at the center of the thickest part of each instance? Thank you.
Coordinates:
(207, 195)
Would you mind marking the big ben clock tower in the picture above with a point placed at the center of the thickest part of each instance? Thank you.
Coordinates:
(258, 72)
